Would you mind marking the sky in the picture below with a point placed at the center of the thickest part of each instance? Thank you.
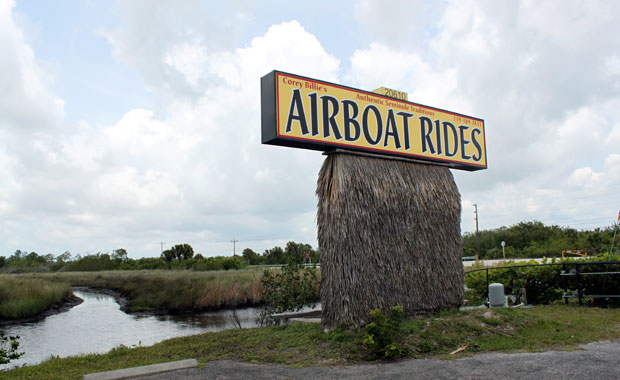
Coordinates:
(136, 124)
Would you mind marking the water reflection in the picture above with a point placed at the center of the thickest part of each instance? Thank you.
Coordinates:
(98, 325)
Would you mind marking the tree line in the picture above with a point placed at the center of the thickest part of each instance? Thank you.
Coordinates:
(180, 256)
(534, 239)
(525, 239)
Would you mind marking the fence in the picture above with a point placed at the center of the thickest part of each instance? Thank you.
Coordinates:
(584, 286)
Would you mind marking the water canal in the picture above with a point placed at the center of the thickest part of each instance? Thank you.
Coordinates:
(97, 325)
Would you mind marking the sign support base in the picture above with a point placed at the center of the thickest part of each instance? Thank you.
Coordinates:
(389, 234)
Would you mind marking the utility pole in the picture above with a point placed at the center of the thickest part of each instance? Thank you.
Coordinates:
(161, 243)
(614, 239)
(477, 238)
(234, 241)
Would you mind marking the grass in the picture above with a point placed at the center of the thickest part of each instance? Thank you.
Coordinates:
(23, 298)
(480, 330)
(172, 291)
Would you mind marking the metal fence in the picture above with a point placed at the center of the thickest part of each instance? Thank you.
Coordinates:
(566, 272)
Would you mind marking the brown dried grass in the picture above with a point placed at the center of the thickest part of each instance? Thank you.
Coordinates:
(389, 234)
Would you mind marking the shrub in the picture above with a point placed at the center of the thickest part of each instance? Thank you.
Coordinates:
(9, 353)
(383, 332)
(544, 284)
(289, 289)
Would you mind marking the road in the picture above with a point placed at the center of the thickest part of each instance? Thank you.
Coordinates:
(497, 262)
(592, 361)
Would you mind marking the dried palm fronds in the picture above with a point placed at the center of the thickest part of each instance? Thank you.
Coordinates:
(389, 234)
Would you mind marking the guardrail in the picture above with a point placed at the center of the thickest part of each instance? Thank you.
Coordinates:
(578, 274)
(318, 265)
(564, 272)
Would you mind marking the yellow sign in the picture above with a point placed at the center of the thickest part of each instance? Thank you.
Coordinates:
(312, 114)
(391, 93)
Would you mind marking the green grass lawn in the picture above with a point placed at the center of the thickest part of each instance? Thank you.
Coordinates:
(480, 330)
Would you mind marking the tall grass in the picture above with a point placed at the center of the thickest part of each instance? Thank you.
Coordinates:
(172, 290)
(23, 297)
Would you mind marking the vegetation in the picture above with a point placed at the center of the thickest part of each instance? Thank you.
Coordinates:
(180, 256)
(383, 333)
(22, 298)
(8, 348)
(525, 239)
(166, 290)
(534, 239)
(480, 330)
(544, 284)
(179, 252)
(170, 291)
(288, 289)
(293, 252)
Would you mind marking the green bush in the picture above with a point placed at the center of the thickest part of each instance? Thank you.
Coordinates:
(8, 348)
(288, 289)
(383, 332)
(91, 263)
(544, 284)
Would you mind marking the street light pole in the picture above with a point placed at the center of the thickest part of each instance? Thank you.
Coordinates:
(503, 252)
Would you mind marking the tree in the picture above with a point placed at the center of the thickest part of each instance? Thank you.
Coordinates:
(251, 257)
(120, 255)
(35, 257)
(183, 251)
(180, 252)
(64, 258)
(294, 252)
(168, 255)
(274, 255)
(18, 255)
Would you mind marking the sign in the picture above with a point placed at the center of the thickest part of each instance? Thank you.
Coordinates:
(391, 93)
(307, 113)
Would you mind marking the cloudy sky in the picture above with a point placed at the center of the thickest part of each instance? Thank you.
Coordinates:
(130, 123)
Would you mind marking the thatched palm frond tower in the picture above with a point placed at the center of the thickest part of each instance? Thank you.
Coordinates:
(389, 234)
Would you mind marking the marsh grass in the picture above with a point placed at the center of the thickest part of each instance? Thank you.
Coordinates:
(481, 330)
(172, 291)
(26, 297)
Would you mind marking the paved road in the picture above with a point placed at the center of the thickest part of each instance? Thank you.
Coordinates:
(596, 361)
(498, 262)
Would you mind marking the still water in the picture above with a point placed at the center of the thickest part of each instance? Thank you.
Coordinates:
(97, 325)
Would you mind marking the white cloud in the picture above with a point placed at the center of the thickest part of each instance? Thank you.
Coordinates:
(25, 101)
(544, 79)
(398, 24)
(544, 76)
(193, 170)
(188, 59)
(382, 66)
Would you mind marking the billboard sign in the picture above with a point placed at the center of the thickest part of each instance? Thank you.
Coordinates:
(307, 113)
